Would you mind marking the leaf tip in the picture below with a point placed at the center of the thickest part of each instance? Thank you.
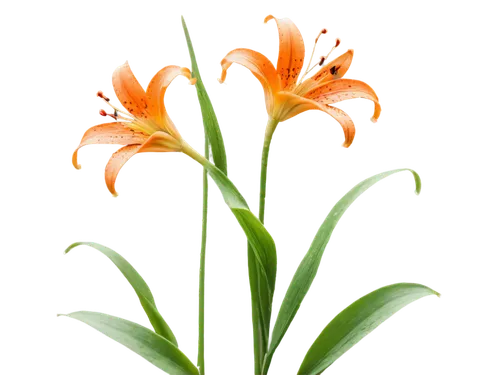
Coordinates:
(437, 294)
(418, 182)
(73, 245)
(61, 315)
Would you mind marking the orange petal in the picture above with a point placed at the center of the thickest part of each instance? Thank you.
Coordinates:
(156, 94)
(110, 133)
(160, 143)
(115, 163)
(130, 92)
(291, 52)
(292, 105)
(337, 67)
(261, 68)
(344, 89)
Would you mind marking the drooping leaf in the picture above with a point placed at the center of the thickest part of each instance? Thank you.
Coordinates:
(262, 271)
(308, 268)
(149, 345)
(357, 321)
(262, 274)
(141, 288)
(212, 129)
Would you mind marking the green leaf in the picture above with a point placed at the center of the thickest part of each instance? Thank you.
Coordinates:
(210, 122)
(262, 271)
(262, 266)
(140, 287)
(149, 345)
(262, 255)
(308, 268)
(357, 321)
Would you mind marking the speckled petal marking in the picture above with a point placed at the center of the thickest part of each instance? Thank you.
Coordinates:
(130, 92)
(337, 68)
(292, 105)
(291, 52)
(344, 89)
(261, 68)
(110, 133)
(115, 163)
(344, 120)
(156, 95)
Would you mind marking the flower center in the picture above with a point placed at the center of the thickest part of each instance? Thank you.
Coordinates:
(315, 61)
(126, 118)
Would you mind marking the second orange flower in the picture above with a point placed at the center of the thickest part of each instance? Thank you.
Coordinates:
(285, 97)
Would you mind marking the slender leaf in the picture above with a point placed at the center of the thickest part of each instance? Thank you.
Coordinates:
(357, 321)
(262, 262)
(262, 271)
(263, 274)
(308, 268)
(149, 345)
(212, 129)
(141, 288)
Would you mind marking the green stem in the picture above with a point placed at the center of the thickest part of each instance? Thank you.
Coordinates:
(271, 126)
(201, 305)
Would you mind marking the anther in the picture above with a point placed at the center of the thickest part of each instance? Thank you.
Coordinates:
(337, 42)
(334, 69)
(320, 34)
(101, 95)
(321, 60)
(102, 112)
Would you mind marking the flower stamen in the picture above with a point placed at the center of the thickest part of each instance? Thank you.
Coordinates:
(322, 58)
(337, 42)
(104, 114)
(320, 62)
(311, 64)
(119, 114)
(102, 95)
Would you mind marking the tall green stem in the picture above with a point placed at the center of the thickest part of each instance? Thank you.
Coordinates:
(263, 274)
(201, 304)
(271, 126)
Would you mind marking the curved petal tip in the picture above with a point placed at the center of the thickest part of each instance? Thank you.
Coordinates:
(74, 161)
(80, 167)
(268, 18)
(376, 115)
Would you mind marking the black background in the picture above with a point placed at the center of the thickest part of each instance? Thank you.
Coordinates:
(389, 237)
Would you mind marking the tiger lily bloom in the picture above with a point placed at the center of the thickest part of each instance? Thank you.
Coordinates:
(285, 98)
(144, 127)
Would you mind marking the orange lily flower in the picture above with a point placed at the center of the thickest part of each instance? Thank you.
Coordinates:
(285, 98)
(145, 127)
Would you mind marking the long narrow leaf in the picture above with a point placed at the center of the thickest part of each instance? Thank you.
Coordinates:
(262, 271)
(212, 129)
(262, 263)
(263, 274)
(149, 345)
(141, 288)
(357, 321)
(308, 268)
